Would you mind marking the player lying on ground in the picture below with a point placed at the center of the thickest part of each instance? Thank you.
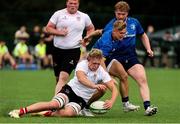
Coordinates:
(76, 93)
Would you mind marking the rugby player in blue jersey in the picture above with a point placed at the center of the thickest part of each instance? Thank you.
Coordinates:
(105, 43)
(124, 52)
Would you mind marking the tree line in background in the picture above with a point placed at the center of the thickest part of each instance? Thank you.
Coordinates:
(155, 7)
(31, 12)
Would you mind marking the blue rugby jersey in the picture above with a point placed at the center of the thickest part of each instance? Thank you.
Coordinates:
(105, 43)
(126, 47)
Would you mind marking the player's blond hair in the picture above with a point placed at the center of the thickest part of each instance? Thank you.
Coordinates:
(122, 6)
(119, 24)
(95, 53)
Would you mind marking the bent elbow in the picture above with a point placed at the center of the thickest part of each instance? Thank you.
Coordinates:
(80, 79)
(47, 29)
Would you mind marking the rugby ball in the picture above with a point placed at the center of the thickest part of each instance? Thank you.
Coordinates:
(97, 107)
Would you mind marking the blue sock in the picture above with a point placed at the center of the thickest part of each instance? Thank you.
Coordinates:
(146, 104)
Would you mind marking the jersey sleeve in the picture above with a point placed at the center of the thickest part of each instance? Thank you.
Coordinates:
(88, 21)
(54, 18)
(104, 43)
(139, 28)
(81, 66)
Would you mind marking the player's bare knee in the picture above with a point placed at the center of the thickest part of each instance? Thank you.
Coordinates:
(123, 77)
(72, 109)
(142, 80)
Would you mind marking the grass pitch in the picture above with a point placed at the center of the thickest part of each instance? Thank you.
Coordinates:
(21, 88)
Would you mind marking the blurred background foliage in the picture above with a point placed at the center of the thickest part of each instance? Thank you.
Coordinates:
(13, 14)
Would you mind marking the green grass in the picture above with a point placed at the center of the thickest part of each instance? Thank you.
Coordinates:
(21, 88)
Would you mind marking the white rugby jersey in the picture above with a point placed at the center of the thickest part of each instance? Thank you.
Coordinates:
(75, 24)
(100, 75)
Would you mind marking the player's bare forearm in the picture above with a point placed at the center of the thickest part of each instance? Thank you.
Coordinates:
(97, 32)
(89, 29)
(87, 39)
(114, 91)
(145, 41)
(51, 29)
(83, 79)
(147, 45)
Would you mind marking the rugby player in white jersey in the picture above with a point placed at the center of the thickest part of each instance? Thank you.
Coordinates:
(73, 97)
(67, 26)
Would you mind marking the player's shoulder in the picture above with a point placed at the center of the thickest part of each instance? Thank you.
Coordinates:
(107, 35)
(82, 13)
(61, 11)
(132, 19)
(83, 62)
(82, 65)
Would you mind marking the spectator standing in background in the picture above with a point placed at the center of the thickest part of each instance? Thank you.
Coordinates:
(48, 40)
(167, 38)
(34, 39)
(177, 49)
(67, 26)
(149, 32)
(21, 34)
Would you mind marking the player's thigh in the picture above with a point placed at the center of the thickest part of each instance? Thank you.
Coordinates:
(137, 72)
(117, 69)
